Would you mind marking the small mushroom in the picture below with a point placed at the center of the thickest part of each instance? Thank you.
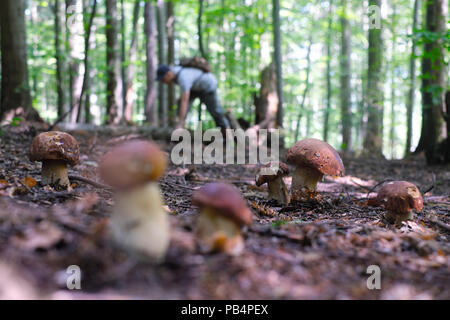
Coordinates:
(223, 212)
(272, 174)
(313, 159)
(56, 150)
(138, 222)
(400, 198)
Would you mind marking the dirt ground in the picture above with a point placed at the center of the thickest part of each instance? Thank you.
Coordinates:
(314, 250)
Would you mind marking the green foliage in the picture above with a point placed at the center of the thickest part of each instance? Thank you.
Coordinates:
(237, 36)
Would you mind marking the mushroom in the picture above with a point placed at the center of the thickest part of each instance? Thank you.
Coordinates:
(138, 222)
(272, 174)
(56, 150)
(313, 159)
(400, 198)
(223, 212)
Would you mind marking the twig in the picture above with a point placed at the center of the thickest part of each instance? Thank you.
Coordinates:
(439, 223)
(379, 183)
(359, 185)
(432, 185)
(89, 181)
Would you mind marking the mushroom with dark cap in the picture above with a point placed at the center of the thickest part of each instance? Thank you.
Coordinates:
(313, 159)
(272, 174)
(55, 150)
(223, 212)
(138, 222)
(400, 198)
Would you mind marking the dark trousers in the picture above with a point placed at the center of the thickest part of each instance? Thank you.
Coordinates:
(213, 106)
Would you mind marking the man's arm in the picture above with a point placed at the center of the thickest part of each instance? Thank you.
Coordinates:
(182, 108)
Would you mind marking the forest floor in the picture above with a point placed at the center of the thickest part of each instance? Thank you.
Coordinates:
(314, 250)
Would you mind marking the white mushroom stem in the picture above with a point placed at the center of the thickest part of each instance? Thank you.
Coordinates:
(278, 191)
(397, 218)
(305, 177)
(217, 233)
(140, 224)
(54, 172)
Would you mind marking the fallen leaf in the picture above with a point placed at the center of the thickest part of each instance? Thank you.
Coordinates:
(29, 182)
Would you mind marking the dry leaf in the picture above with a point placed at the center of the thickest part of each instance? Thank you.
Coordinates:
(29, 182)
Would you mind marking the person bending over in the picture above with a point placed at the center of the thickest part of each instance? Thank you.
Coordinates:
(194, 83)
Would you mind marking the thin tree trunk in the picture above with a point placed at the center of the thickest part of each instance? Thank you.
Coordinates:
(131, 70)
(412, 77)
(15, 90)
(171, 60)
(162, 41)
(393, 67)
(150, 36)
(33, 74)
(306, 89)
(373, 142)
(122, 60)
(75, 46)
(278, 62)
(86, 64)
(345, 80)
(58, 29)
(328, 107)
(114, 82)
(199, 30)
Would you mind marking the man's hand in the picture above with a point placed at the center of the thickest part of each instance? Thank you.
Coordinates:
(182, 109)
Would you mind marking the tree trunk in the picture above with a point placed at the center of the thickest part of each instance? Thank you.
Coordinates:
(59, 56)
(266, 103)
(306, 89)
(278, 62)
(171, 60)
(114, 82)
(86, 78)
(131, 70)
(74, 22)
(345, 80)
(433, 85)
(123, 75)
(199, 30)
(15, 90)
(392, 136)
(412, 77)
(373, 142)
(162, 59)
(150, 37)
(328, 107)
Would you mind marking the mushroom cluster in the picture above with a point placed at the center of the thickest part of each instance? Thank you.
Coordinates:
(55, 150)
(400, 199)
(138, 222)
(141, 225)
(223, 212)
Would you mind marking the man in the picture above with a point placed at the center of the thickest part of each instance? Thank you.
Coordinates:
(194, 83)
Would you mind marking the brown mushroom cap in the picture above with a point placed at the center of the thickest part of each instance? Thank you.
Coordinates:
(225, 199)
(400, 197)
(55, 145)
(316, 154)
(132, 164)
(283, 170)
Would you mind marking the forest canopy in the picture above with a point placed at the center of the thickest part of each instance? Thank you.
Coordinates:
(362, 75)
